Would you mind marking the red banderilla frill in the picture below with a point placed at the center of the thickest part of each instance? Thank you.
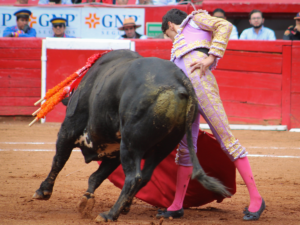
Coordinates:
(60, 91)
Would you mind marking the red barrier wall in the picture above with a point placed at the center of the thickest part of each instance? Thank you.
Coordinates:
(20, 75)
(259, 81)
(295, 85)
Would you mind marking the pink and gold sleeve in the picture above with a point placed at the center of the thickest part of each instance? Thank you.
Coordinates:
(220, 28)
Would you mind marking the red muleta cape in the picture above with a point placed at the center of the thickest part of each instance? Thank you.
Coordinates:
(160, 190)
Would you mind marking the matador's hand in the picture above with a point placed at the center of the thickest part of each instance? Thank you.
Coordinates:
(202, 64)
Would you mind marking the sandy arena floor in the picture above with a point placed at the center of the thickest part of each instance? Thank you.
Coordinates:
(23, 168)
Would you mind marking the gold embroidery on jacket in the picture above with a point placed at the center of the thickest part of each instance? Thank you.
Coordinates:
(180, 43)
(207, 91)
(190, 46)
(221, 31)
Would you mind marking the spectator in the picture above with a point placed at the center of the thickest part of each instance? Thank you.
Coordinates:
(129, 27)
(59, 27)
(293, 32)
(63, 2)
(157, 2)
(24, 2)
(220, 13)
(22, 29)
(257, 31)
(145, 2)
(122, 2)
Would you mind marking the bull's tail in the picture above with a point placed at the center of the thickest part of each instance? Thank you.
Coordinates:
(209, 183)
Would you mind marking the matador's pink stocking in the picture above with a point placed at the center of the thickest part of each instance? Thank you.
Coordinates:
(183, 177)
(243, 166)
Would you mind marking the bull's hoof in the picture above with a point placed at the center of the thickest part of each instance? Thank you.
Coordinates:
(104, 217)
(42, 195)
(100, 219)
(86, 205)
(82, 203)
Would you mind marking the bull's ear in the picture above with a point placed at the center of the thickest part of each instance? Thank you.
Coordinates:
(65, 101)
(72, 102)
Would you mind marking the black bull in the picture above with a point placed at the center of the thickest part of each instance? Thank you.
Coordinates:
(127, 108)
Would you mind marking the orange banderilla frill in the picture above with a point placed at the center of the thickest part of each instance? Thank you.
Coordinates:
(59, 92)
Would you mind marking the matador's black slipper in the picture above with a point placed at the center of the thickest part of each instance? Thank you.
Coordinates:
(167, 214)
(254, 215)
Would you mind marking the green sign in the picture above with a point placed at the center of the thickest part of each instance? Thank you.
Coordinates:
(153, 29)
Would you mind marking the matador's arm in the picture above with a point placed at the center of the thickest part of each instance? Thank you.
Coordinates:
(221, 32)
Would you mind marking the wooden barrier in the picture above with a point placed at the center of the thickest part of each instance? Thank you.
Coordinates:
(295, 85)
(20, 75)
(259, 81)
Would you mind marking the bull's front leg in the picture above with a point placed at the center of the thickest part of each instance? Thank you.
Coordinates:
(63, 152)
(131, 162)
(87, 201)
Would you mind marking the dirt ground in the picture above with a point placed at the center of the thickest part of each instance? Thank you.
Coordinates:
(23, 166)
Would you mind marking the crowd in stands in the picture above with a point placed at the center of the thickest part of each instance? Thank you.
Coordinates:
(257, 31)
(22, 28)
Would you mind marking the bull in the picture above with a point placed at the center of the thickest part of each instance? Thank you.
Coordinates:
(127, 108)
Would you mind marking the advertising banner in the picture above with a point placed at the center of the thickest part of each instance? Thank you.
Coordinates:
(104, 22)
(40, 19)
(84, 22)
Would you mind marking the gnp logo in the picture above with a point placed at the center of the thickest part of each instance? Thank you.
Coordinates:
(32, 20)
(92, 20)
(42, 20)
(107, 21)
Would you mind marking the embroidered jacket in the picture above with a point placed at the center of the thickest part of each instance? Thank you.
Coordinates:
(200, 30)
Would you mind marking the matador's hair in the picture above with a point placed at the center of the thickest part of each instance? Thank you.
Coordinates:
(175, 16)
